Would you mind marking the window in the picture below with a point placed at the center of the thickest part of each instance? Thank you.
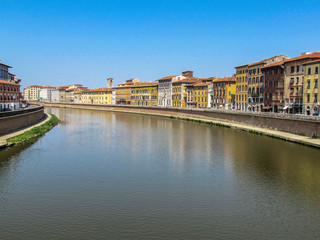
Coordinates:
(315, 98)
(292, 69)
(308, 84)
(308, 97)
(316, 83)
(297, 80)
(309, 71)
(316, 70)
(298, 68)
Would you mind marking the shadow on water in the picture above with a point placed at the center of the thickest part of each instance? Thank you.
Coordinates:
(6, 154)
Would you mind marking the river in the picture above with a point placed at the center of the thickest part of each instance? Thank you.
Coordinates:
(104, 175)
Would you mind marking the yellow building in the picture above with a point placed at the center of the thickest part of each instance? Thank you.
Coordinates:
(200, 93)
(144, 94)
(179, 93)
(241, 97)
(224, 90)
(123, 91)
(97, 96)
(311, 92)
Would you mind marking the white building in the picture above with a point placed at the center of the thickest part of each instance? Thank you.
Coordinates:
(165, 88)
(31, 93)
(49, 94)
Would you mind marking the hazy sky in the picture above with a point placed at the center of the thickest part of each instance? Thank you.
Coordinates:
(61, 42)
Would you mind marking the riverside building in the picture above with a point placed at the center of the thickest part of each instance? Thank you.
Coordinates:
(144, 94)
(165, 88)
(9, 89)
(224, 90)
(311, 93)
(274, 87)
(294, 81)
(123, 91)
(97, 96)
(242, 87)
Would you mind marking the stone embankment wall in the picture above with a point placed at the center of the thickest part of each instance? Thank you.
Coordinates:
(296, 124)
(16, 120)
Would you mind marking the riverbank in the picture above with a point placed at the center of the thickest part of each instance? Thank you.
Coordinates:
(28, 133)
(304, 140)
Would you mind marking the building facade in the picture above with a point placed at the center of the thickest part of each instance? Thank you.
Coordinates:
(123, 91)
(256, 82)
(4, 72)
(144, 94)
(32, 93)
(165, 88)
(294, 79)
(224, 90)
(179, 91)
(48, 94)
(242, 87)
(9, 95)
(311, 93)
(274, 87)
(201, 95)
(97, 96)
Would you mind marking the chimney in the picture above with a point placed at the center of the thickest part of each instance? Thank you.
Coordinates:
(109, 82)
(187, 73)
(305, 53)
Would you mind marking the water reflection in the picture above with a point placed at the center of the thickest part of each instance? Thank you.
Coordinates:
(128, 176)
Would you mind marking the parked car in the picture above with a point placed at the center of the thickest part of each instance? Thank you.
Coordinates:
(315, 114)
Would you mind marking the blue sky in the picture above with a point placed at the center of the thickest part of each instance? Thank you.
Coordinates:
(61, 42)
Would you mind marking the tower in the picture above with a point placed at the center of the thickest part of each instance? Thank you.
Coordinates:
(109, 82)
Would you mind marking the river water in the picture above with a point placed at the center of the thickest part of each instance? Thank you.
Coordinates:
(103, 175)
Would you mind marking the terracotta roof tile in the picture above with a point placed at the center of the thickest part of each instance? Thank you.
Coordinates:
(145, 84)
(225, 79)
(99, 90)
(10, 83)
(274, 64)
(305, 56)
(168, 77)
(311, 62)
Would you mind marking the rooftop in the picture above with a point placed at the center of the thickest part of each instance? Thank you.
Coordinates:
(304, 56)
(10, 83)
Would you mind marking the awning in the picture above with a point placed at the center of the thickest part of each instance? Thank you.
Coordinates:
(267, 108)
(286, 107)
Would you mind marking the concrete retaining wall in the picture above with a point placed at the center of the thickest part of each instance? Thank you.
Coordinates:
(296, 124)
(16, 120)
